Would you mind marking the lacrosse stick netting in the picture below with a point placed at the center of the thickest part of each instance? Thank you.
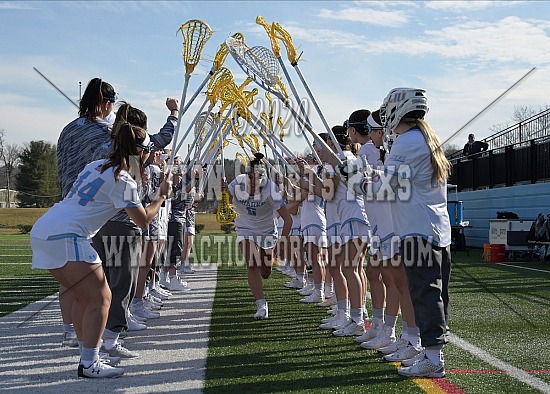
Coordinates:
(195, 35)
(260, 64)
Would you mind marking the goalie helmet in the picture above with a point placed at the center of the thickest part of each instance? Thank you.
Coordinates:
(401, 102)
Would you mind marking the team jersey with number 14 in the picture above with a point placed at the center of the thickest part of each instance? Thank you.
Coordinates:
(94, 198)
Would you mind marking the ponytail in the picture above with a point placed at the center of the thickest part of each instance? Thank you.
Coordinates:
(96, 92)
(129, 131)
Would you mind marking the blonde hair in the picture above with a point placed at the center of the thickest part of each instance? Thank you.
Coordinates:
(442, 166)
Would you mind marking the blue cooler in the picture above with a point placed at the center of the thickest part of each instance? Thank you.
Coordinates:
(456, 212)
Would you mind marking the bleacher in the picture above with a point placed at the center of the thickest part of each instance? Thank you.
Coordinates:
(517, 155)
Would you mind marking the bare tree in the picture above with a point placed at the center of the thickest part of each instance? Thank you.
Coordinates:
(9, 159)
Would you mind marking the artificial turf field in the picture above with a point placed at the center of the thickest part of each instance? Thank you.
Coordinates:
(502, 310)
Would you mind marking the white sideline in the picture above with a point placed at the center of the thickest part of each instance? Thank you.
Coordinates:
(172, 350)
(517, 373)
(524, 268)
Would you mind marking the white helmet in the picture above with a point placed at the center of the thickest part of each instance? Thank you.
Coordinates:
(400, 102)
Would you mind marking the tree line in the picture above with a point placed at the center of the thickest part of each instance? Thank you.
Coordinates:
(31, 170)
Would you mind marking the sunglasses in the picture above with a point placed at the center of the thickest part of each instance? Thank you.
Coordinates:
(370, 129)
(111, 99)
(147, 148)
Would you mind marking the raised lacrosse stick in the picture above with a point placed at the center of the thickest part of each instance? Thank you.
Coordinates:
(279, 32)
(221, 77)
(226, 213)
(219, 59)
(195, 35)
(260, 64)
(277, 52)
(242, 100)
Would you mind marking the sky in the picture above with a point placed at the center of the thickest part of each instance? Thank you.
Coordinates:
(463, 53)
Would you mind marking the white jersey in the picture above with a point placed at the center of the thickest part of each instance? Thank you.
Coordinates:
(351, 208)
(371, 153)
(378, 211)
(420, 207)
(256, 214)
(94, 198)
(296, 220)
(313, 209)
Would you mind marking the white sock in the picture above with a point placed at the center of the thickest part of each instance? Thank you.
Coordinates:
(434, 354)
(88, 356)
(110, 339)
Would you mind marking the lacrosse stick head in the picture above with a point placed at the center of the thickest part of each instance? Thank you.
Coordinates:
(244, 160)
(258, 63)
(269, 30)
(280, 33)
(204, 123)
(222, 53)
(402, 103)
(195, 35)
(226, 213)
(221, 77)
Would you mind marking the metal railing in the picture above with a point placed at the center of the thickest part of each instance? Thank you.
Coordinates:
(537, 127)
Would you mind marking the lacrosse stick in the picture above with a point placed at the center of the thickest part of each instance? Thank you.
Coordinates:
(195, 35)
(260, 64)
(277, 52)
(242, 100)
(279, 32)
(226, 213)
(219, 143)
(219, 59)
(221, 77)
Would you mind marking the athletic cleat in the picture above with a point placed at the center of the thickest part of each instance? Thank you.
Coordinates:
(313, 298)
(405, 353)
(394, 347)
(106, 359)
(413, 360)
(341, 324)
(99, 370)
(294, 284)
(187, 270)
(158, 294)
(385, 337)
(119, 351)
(140, 310)
(176, 285)
(340, 320)
(424, 369)
(329, 301)
(352, 329)
(134, 324)
(329, 319)
(69, 340)
(372, 332)
(147, 304)
(262, 312)
(307, 290)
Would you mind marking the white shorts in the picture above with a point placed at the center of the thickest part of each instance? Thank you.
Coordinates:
(333, 234)
(354, 229)
(315, 234)
(52, 254)
(262, 241)
(388, 247)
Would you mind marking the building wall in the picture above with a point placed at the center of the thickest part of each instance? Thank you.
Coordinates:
(4, 198)
(481, 205)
